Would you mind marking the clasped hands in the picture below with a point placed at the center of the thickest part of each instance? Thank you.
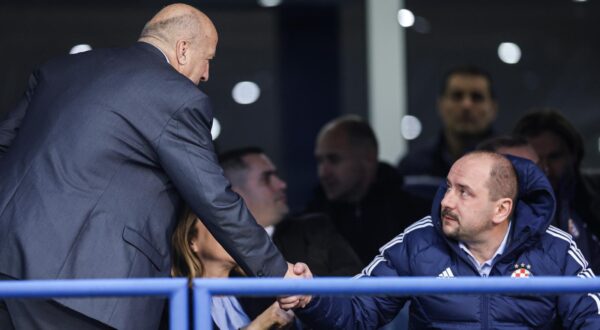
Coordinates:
(297, 271)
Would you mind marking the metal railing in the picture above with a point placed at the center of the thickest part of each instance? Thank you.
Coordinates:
(204, 289)
(177, 289)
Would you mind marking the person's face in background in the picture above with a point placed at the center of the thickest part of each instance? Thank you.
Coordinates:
(467, 107)
(342, 168)
(556, 159)
(263, 190)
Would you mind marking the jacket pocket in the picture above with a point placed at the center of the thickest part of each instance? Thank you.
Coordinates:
(138, 241)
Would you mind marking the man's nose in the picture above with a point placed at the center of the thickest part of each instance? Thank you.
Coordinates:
(447, 201)
(206, 74)
(279, 183)
(466, 102)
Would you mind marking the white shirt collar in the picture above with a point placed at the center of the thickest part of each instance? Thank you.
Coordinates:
(270, 230)
(499, 251)
(165, 55)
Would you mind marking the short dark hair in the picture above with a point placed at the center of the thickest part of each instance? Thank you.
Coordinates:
(232, 159)
(540, 120)
(467, 70)
(504, 141)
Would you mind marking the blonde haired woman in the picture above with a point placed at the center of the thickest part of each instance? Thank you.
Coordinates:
(196, 253)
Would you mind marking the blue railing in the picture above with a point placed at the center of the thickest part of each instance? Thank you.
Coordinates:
(177, 290)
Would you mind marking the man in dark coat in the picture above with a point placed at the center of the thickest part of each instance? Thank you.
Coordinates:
(96, 161)
(491, 218)
(310, 238)
(560, 148)
(467, 107)
(362, 196)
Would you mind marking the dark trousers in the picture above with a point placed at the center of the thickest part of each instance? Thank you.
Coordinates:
(42, 314)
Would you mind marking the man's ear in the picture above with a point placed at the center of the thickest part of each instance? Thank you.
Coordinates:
(182, 51)
(502, 210)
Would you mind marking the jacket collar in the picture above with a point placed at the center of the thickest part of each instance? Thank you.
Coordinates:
(152, 49)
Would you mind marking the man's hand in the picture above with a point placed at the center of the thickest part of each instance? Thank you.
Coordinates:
(272, 318)
(299, 270)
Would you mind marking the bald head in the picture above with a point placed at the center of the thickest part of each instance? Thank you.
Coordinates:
(356, 130)
(177, 21)
(346, 153)
(186, 36)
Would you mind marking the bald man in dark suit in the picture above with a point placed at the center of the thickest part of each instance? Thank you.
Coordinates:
(96, 161)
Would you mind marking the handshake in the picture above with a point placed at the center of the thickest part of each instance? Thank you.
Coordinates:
(297, 271)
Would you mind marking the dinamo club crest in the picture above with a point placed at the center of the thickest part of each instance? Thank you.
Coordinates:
(522, 271)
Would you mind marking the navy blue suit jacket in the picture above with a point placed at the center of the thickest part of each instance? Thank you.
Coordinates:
(95, 163)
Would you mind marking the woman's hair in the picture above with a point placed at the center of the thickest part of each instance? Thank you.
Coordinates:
(185, 261)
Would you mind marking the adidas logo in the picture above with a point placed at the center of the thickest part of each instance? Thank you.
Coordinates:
(447, 273)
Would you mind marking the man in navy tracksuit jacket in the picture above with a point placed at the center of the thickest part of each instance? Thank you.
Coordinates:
(480, 225)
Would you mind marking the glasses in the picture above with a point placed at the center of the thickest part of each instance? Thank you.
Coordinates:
(458, 96)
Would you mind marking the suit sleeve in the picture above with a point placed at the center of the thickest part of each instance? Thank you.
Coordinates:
(579, 311)
(186, 153)
(9, 126)
(362, 312)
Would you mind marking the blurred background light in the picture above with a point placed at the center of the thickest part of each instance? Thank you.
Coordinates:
(410, 127)
(245, 92)
(80, 48)
(269, 3)
(509, 52)
(406, 18)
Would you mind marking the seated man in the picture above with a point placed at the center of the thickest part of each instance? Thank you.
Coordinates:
(310, 238)
(362, 196)
(561, 150)
(510, 145)
(491, 218)
(586, 241)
